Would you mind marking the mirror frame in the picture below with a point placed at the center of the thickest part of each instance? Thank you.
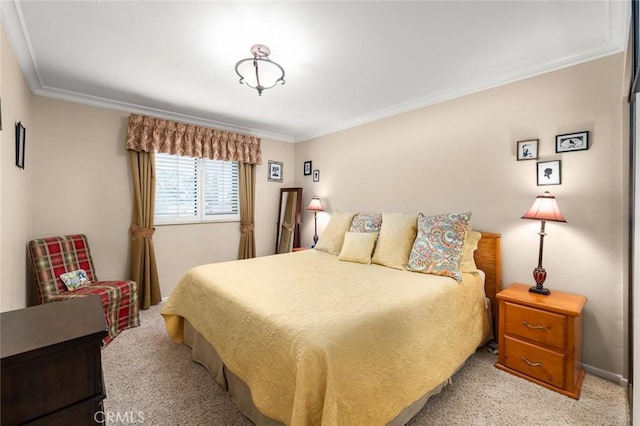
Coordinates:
(298, 213)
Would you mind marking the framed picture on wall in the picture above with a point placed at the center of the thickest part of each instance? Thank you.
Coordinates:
(307, 168)
(549, 173)
(276, 171)
(316, 175)
(572, 142)
(527, 150)
(21, 135)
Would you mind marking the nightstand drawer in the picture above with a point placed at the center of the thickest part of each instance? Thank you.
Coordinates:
(536, 325)
(535, 361)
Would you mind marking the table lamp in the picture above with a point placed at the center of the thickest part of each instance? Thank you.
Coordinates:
(315, 207)
(544, 208)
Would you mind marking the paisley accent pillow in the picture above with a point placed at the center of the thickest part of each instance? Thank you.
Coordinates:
(437, 248)
(75, 279)
(366, 222)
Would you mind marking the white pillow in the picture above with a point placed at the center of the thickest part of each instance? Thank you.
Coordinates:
(333, 236)
(396, 238)
(358, 247)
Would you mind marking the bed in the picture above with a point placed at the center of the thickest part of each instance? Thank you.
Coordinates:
(307, 339)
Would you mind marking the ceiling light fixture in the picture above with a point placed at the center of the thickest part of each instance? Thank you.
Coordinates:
(259, 72)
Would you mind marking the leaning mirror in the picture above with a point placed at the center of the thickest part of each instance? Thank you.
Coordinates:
(288, 227)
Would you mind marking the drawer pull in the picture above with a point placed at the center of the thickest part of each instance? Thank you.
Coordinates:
(535, 327)
(533, 364)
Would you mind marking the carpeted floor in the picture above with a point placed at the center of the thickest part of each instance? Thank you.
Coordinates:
(151, 380)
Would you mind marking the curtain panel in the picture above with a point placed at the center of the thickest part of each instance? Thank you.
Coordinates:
(142, 257)
(148, 134)
(247, 247)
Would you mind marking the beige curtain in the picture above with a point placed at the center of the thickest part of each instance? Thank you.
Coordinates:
(148, 135)
(142, 260)
(247, 247)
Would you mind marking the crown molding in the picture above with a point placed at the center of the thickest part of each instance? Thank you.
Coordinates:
(99, 102)
(619, 23)
(13, 22)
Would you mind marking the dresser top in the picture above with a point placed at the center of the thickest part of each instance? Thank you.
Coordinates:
(32, 328)
(557, 301)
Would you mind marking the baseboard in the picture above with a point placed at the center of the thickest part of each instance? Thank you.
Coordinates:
(612, 377)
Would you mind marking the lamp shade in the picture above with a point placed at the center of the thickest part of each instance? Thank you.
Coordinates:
(545, 207)
(315, 205)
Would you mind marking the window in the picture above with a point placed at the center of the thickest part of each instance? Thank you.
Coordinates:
(191, 190)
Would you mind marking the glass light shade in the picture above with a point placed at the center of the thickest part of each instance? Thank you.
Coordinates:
(268, 72)
(545, 207)
(260, 72)
(315, 205)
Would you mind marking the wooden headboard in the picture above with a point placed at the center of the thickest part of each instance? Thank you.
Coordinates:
(488, 258)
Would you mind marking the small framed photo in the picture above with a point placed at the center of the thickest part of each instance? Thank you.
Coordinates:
(21, 134)
(549, 173)
(316, 175)
(307, 168)
(276, 170)
(527, 150)
(572, 142)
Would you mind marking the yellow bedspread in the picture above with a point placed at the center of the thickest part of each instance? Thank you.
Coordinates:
(324, 342)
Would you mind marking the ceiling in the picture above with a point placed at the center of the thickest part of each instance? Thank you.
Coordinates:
(346, 63)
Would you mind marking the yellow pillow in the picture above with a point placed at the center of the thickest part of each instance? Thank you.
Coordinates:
(397, 235)
(358, 247)
(468, 264)
(333, 236)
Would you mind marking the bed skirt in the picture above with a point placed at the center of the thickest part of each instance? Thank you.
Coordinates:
(203, 353)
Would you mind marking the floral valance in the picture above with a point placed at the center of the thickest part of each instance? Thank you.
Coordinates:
(150, 134)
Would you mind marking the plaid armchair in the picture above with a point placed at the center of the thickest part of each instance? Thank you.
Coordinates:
(55, 256)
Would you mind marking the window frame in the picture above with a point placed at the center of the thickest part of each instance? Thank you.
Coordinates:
(201, 216)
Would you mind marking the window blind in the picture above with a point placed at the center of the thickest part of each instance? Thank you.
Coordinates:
(192, 189)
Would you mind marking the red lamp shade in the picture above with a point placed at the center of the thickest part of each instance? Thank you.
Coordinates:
(545, 207)
(315, 205)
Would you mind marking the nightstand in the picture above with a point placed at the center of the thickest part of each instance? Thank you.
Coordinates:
(540, 338)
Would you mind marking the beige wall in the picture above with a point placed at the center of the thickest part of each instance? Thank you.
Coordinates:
(82, 182)
(85, 186)
(16, 195)
(460, 155)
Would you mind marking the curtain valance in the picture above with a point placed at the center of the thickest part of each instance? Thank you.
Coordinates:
(148, 134)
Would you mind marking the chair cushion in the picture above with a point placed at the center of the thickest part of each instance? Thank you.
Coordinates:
(119, 303)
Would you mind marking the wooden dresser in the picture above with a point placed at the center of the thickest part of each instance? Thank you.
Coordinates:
(51, 363)
(540, 338)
